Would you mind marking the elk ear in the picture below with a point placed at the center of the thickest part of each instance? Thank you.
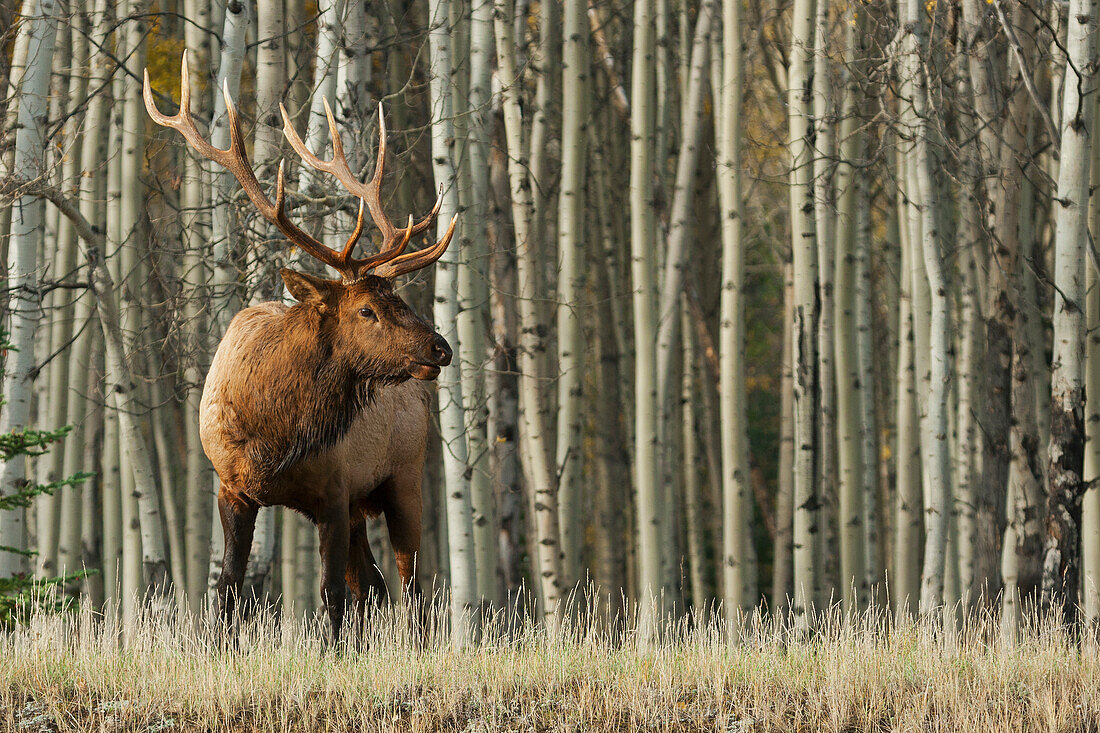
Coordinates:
(309, 289)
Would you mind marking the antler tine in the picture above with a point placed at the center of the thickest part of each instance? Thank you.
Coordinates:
(345, 255)
(235, 160)
(388, 254)
(419, 259)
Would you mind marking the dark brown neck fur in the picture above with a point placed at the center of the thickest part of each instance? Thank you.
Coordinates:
(314, 390)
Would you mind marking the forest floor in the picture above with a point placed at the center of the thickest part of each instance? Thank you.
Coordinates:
(82, 673)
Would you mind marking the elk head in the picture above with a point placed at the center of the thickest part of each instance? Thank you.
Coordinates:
(362, 315)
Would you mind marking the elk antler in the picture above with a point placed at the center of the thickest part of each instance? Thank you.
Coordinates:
(235, 160)
(389, 261)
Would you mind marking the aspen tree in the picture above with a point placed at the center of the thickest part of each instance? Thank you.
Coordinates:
(452, 419)
(1090, 505)
(643, 249)
(1067, 430)
(23, 267)
(473, 295)
(803, 327)
(571, 246)
(533, 430)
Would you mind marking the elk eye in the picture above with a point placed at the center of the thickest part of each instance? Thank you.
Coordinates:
(368, 313)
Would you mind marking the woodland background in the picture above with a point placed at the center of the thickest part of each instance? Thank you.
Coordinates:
(762, 301)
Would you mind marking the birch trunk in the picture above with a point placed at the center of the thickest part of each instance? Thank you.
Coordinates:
(1067, 430)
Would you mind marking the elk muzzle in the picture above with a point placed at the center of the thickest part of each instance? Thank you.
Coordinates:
(439, 356)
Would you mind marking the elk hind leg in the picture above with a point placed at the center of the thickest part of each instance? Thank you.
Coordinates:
(364, 578)
(238, 524)
(334, 532)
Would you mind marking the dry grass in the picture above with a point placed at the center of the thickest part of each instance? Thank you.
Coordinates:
(160, 673)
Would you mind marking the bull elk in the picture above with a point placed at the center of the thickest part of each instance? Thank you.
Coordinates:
(322, 406)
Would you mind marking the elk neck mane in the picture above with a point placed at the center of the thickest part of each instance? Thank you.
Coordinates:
(314, 389)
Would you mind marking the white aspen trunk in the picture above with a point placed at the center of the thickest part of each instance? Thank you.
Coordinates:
(533, 431)
(784, 500)
(111, 489)
(614, 465)
(546, 60)
(1067, 430)
(873, 558)
(16, 68)
(806, 312)
(451, 415)
(929, 287)
(224, 289)
(324, 87)
(1090, 505)
(694, 509)
(738, 588)
(131, 583)
(571, 242)
(119, 365)
(473, 301)
(680, 217)
(61, 309)
(904, 585)
(824, 115)
(849, 392)
(194, 193)
(23, 269)
(968, 446)
(642, 267)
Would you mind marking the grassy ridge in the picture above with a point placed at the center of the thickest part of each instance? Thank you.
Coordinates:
(160, 673)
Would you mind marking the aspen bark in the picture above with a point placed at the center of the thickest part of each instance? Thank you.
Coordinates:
(929, 287)
(849, 392)
(736, 502)
(533, 431)
(643, 268)
(451, 414)
(23, 269)
(905, 582)
(571, 243)
(803, 327)
(1090, 505)
(824, 202)
(1067, 430)
(473, 301)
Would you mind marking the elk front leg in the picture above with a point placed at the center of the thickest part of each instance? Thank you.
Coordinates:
(238, 523)
(334, 531)
(403, 522)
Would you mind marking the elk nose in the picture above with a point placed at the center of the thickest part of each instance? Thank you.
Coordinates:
(441, 351)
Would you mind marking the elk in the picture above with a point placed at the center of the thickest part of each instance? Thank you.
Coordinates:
(322, 406)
